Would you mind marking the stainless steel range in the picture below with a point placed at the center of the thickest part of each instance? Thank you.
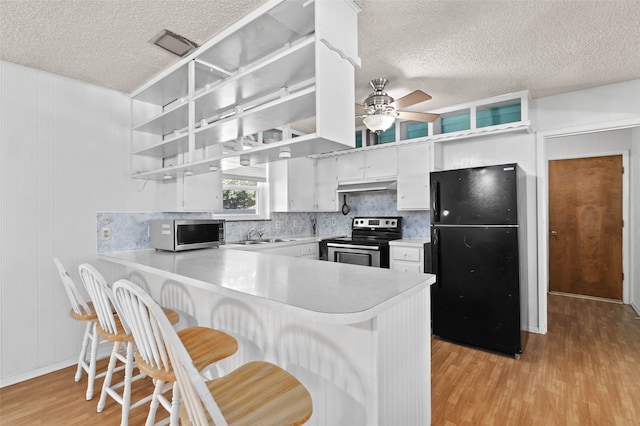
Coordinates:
(368, 244)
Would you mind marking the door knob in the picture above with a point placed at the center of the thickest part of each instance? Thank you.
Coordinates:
(554, 233)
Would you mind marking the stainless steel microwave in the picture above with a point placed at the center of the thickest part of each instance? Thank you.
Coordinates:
(179, 235)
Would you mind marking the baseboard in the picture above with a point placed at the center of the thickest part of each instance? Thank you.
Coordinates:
(102, 353)
(635, 308)
(37, 373)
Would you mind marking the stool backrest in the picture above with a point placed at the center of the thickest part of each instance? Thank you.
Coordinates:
(193, 389)
(100, 295)
(138, 321)
(78, 303)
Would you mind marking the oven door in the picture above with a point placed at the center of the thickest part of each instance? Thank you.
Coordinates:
(354, 254)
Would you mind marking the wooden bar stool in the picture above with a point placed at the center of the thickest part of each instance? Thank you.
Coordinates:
(81, 310)
(255, 393)
(205, 345)
(110, 328)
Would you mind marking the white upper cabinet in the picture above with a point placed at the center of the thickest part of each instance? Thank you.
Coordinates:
(414, 166)
(292, 185)
(202, 192)
(367, 165)
(326, 185)
(350, 167)
(287, 65)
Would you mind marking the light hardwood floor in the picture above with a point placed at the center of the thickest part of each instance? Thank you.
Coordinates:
(585, 371)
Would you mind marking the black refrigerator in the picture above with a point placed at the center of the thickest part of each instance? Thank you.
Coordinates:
(477, 231)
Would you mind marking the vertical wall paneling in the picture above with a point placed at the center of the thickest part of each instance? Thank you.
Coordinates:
(64, 155)
(1, 206)
(19, 277)
(403, 374)
(66, 177)
(635, 218)
(48, 295)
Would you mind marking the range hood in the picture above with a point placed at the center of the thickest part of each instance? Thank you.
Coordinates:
(386, 185)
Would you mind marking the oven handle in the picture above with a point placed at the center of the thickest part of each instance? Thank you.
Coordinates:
(353, 246)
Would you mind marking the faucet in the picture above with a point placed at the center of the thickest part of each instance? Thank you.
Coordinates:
(252, 234)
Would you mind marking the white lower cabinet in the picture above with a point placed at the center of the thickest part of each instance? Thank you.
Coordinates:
(414, 162)
(407, 255)
(307, 250)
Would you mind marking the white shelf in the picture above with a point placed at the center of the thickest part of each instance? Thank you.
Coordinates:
(166, 148)
(172, 119)
(262, 154)
(287, 68)
(272, 114)
(268, 70)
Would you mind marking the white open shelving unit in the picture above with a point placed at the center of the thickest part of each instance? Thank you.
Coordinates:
(289, 66)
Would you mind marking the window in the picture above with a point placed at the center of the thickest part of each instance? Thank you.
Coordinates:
(239, 196)
(245, 193)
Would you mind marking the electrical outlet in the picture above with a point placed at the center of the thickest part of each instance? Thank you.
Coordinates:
(106, 233)
(295, 223)
(333, 222)
(277, 224)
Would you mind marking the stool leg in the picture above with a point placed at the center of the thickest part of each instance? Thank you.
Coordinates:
(107, 378)
(126, 395)
(83, 351)
(92, 359)
(175, 405)
(153, 407)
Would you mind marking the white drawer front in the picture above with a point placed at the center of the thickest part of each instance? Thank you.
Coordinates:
(311, 248)
(407, 267)
(411, 254)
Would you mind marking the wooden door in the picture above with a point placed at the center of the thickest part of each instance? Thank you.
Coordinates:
(585, 226)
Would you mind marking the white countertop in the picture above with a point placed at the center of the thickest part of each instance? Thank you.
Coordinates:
(413, 242)
(316, 290)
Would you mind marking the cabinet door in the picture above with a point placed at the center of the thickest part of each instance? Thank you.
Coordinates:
(350, 167)
(302, 188)
(202, 192)
(381, 163)
(413, 176)
(326, 185)
(279, 186)
(292, 185)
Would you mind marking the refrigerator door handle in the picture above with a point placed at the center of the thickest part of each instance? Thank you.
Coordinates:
(435, 190)
(435, 256)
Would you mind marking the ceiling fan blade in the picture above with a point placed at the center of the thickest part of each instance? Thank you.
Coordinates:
(359, 106)
(418, 116)
(412, 98)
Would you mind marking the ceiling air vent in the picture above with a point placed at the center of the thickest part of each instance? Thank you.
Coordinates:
(173, 42)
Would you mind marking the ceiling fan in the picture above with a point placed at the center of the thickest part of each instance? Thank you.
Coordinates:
(381, 110)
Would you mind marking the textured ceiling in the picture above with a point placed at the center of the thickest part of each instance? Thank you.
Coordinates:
(457, 51)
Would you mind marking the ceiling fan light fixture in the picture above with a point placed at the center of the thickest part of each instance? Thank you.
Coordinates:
(378, 122)
(173, 43)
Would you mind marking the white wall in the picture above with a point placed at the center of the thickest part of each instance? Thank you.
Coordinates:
(595, 144)
(598, 109)
(506, 148)
(635, 219)
(64, 154)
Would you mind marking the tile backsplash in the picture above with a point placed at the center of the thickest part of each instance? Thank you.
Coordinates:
(130, 230)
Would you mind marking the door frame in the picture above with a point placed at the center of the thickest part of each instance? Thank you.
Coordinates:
(542, 171)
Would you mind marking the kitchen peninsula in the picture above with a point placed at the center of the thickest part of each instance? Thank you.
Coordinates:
(357, 337)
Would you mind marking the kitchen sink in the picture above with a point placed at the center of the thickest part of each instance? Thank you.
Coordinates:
(261, 241)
